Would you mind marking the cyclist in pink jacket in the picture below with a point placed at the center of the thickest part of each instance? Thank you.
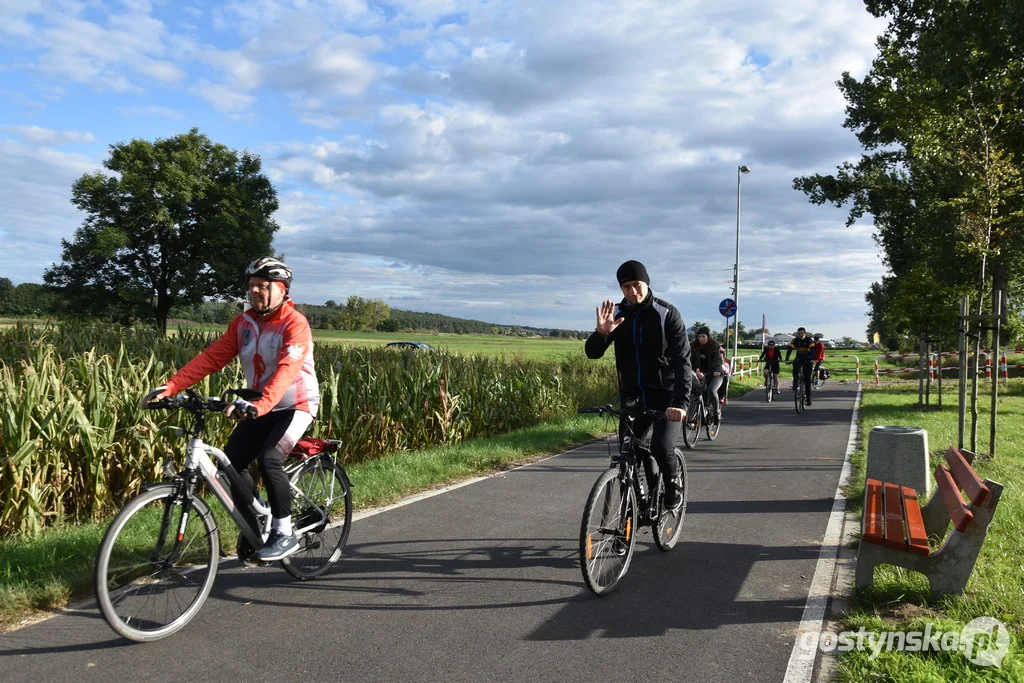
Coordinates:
(275, 345)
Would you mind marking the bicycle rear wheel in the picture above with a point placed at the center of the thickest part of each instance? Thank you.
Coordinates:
(669, 523)
(324, 510)
(155, 566)
(608, 532)
(692, 423)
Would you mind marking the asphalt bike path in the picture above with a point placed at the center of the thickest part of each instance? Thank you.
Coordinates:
(482, 582)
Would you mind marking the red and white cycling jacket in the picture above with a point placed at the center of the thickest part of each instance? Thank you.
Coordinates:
(277, 358)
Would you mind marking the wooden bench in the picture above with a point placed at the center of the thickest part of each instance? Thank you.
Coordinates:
(897, 528)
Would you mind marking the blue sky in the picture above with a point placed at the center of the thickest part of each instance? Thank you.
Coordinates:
(480, 158)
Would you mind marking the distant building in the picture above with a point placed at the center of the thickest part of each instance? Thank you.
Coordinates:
(782, 339)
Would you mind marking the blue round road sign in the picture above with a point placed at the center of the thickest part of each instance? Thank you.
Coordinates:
(727, 308)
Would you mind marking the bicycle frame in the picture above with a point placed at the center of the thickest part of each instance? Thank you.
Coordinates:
(628, 471)
(200, 459)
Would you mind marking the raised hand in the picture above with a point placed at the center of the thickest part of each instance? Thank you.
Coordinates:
(606, 320)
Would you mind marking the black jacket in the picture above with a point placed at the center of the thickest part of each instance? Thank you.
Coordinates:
(652, 354)
(802, 348)
(708, 359)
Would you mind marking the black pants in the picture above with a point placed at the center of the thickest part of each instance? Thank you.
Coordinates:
(267, 440)
(808, 369)
(658, 437)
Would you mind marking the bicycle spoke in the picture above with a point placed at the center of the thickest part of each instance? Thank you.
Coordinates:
(322, 511)
(143, 593)
(607, 532)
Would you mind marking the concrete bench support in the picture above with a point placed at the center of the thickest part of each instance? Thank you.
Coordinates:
(949, 567)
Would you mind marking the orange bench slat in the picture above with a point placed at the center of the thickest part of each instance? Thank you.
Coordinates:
(965, 476)
(958, 511)
(874, 519)
(894, 537)
(916, 534)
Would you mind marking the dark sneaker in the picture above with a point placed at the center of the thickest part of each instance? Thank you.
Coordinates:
(673, 495)
(277, 546)
(246, 553)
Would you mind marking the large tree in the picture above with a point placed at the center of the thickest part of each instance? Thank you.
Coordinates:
(171, 223)
(940, 118)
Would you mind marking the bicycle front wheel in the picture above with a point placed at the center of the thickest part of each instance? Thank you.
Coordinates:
(799, 393)
(321, 516)
(714, 423)
(608, 532)
(769, 391)
(669, 523)
(156, 564)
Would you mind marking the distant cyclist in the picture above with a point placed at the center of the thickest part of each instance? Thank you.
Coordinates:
(707, 356)
(817, 354)
(652, 356)
(802, 345)
(275, 345)
(771, 357)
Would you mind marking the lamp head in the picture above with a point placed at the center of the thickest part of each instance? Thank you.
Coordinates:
(744, 169)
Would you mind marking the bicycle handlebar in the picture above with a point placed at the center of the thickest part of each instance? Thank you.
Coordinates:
(193, 401)
(608, 409)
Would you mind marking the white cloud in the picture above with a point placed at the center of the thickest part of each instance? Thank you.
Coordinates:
(48, 138)
(149, 111)
(502, 149)
(224, 99)
(35, 203)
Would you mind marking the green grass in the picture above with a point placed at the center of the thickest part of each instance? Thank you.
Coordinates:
(899, 600)
(467, 344)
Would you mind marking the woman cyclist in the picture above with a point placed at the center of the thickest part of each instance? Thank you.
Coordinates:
(771, 357)
(817, 355)
(706, 356)
(275, 345)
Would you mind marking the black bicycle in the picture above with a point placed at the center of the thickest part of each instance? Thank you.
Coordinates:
(158, 559)
(771, 384)
(800, 396)
(621, 502)
(701, 415)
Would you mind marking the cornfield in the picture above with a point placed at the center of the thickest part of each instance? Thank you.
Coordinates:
(74, 445)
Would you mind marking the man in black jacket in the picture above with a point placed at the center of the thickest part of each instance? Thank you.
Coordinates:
(652, 356)
(802, 345)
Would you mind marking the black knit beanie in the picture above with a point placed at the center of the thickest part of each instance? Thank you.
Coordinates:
(631, 271)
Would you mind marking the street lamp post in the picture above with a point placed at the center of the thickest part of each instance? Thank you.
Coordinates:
(740, 171)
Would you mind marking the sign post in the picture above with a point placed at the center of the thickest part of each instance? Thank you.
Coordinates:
(727, 308)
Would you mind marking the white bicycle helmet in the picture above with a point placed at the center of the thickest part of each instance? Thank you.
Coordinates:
(270, 269)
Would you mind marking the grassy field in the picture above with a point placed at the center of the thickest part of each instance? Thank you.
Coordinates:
(469, 344)
(899, 600)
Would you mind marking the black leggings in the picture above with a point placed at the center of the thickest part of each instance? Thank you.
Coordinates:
(659, 437)
(267, 440)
